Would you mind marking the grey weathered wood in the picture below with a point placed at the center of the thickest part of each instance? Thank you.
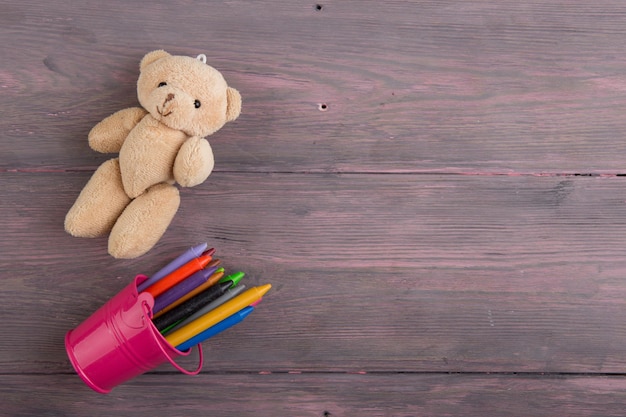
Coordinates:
(370, 272)
(423, 86)
(334, 395)
(359, 182)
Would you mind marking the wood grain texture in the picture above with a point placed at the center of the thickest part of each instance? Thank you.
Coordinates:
(423, 86)
(370, 272)
(287, 395)
(409, 175)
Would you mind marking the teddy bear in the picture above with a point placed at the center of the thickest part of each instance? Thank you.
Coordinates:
(133, 197)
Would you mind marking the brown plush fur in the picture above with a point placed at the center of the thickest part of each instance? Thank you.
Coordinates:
(133, 197)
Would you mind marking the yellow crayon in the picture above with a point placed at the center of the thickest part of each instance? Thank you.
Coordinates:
(215, 316)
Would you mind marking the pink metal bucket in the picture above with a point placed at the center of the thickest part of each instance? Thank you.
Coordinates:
(119, 342)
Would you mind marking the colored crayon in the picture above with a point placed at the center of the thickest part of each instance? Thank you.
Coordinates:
(169, 328)
(215, 316)
(236, 277)
(214, 262)
(188, 255)
(182, 288)
(217, 328)
(177, 276)
(213, 279)
(233, 279)
(256, 303)
(187, 308)
(230, 294)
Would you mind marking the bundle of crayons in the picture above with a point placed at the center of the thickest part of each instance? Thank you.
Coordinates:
(194, 301)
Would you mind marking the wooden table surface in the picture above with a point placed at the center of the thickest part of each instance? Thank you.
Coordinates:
(435, 189)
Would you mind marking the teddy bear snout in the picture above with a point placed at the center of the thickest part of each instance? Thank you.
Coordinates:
(168, 105)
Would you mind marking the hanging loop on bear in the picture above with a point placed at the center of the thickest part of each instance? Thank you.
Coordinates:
(202, 58)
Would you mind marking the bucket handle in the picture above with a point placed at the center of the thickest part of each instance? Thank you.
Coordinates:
(170, 360)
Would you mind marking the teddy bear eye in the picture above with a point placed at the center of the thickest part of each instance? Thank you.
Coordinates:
(162, 84)
(197, 104)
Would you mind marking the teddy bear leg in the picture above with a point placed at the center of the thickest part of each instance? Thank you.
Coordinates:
(144, 221)
(99, 204)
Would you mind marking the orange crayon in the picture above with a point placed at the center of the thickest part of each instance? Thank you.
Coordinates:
(178, 275)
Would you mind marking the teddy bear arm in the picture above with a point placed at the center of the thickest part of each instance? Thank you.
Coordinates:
(194, 162)
(109, 135)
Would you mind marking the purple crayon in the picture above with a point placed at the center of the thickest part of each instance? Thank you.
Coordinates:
(182, 288)
(189, 254)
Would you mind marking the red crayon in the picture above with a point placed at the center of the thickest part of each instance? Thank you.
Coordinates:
(178, 275)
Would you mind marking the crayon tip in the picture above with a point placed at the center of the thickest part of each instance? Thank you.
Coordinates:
(203, 260)
(224, 285)
(232, 277)
(209, 251)
(263, 289)
(214, 262)
(208, 271)
(246, 311)
(235, 280)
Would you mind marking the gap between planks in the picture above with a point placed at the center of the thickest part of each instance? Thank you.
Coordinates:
(607, 174)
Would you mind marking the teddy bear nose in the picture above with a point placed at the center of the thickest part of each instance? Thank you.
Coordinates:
(169, 97)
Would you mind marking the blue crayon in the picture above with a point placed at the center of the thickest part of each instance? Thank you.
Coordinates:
(218, 328)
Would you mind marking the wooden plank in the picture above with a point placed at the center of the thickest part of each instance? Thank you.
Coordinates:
(370, 272)
(424, 86)
(320, 395)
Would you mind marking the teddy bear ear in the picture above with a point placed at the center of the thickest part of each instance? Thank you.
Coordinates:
(233, 107)
(151, 57)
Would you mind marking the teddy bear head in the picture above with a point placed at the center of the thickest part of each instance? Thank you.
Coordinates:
(186, 94)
